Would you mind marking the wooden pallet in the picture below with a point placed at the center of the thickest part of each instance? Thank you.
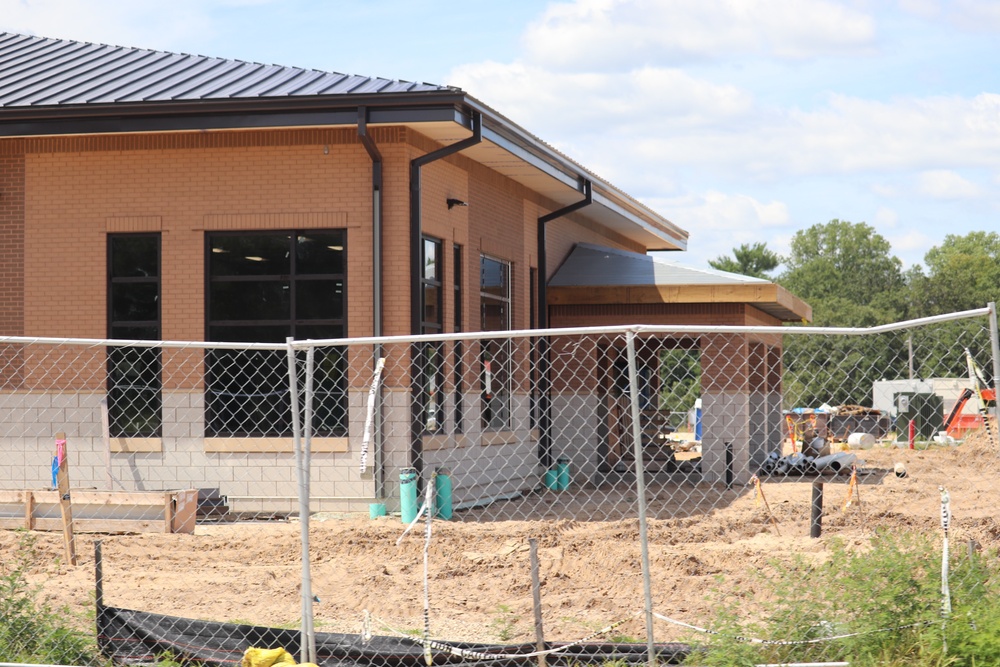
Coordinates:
(102, 511)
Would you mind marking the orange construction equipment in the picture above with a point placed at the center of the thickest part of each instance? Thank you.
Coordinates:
(957, 424)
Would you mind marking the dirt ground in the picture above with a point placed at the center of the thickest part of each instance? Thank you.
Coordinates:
(479, 571)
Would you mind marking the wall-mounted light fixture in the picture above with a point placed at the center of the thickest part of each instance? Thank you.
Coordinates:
(452, 202)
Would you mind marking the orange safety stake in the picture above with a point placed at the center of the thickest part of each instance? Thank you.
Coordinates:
(852, 488)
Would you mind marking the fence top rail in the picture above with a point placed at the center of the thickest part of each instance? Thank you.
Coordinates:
(619, 330)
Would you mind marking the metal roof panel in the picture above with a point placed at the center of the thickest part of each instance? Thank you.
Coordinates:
(36, 71)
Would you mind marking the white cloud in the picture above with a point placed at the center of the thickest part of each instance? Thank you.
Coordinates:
(923, 8)
(945, 184)
(975, 15)
(885, 190)
(718, 221)
(538, 98)
(886, 217)
(970, 15)
(619, 34)
(668, 119)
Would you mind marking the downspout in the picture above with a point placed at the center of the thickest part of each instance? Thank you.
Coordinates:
(378, 472)
(544, 381)
(416, 317)
(376, 158)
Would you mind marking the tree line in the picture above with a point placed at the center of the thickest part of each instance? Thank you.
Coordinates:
(846, 271)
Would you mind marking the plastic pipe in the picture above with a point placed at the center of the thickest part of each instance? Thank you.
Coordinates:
(562, 473)
(442, 494)
(408, 494)
(835, 462)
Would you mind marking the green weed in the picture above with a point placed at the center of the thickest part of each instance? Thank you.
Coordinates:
(886, 599)
(30, 630)
(504, 623)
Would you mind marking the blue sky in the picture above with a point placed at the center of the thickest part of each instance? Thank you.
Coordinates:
(740, 120)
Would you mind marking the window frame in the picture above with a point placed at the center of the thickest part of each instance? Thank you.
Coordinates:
(144, 357)
(496, 354)
(430, 355)
(330, 416)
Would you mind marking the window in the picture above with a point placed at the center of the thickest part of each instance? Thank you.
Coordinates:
(262, 288)
(430, 355)
(432, 318)
(134, 373)
(495, 315)
(458, 366)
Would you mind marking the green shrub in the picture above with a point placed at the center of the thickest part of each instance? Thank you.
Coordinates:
(887, 597)
(31, 631)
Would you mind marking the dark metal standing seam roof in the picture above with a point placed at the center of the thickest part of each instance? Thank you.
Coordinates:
(36, 71)
(56, 86)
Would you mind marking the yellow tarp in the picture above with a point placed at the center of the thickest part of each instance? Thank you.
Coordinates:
(271, 657)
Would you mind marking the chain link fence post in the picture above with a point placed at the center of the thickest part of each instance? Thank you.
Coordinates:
(308, 648)
(995, 349)
(640, 490)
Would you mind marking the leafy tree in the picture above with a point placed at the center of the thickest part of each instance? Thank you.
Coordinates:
(749, 260)
(962, 273)
(847, 273)
(846, 260)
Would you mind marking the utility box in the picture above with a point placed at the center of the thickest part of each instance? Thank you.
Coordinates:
(925, 409)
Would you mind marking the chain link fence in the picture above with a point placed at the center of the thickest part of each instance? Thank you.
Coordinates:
(670, 489)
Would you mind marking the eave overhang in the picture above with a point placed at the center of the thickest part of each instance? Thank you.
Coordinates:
(442, 115)
(770, 298)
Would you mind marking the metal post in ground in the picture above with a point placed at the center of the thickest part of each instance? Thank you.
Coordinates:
(995, 349)
(536, 601)
(307, 652)
(640, 490)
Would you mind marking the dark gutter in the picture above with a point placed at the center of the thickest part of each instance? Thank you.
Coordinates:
(233, 114)
(375, 155)
(415, 222)
(416, 317)
(544, 381)
(376, 158)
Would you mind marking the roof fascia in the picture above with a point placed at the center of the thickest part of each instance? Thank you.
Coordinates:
(433, 106)
(512, 138)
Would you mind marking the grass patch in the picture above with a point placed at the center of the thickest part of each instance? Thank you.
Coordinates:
(30, 630)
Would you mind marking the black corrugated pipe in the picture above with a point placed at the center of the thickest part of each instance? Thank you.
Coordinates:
(416, 316)
(544, 381)
(376, 157)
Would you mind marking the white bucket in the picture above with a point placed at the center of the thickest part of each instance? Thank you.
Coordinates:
(861, 440)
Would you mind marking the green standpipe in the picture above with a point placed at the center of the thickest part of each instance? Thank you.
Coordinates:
(442, 494)
(408, 494)
(562, 473)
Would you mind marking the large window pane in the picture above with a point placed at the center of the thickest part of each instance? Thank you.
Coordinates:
(248, 393)
(134, 397)
(134, 302)
(319, 253)
(135, 256)
(265, 287)
(250, 300)
(495, 355)
(319, 300)
(134, 383)
(250, 254)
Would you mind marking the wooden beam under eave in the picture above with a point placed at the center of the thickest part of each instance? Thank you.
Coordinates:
(793, 303)
(756, 294)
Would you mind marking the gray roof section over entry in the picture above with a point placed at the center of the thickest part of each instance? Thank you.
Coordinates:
(594, 275)
(36, 71)
(594, 265)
